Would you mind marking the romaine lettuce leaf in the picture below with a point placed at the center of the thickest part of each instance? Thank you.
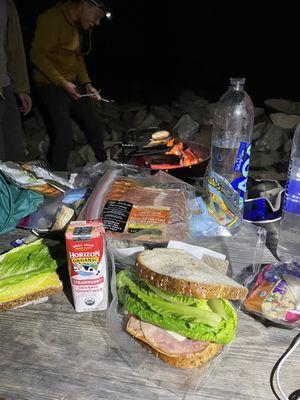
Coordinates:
(215, 321)
(30, 260)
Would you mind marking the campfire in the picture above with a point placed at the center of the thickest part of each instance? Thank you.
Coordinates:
(181, 157)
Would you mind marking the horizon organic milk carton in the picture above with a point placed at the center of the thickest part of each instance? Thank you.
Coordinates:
(85, 242)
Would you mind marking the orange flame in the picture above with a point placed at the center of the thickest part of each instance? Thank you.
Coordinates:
(187, 157)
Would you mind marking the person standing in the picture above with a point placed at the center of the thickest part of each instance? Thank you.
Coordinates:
(13, 81)
(62, 39)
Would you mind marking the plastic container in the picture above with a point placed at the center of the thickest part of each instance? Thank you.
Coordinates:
(288, 247)
(232, 131)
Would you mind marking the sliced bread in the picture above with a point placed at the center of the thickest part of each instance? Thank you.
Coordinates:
(179, 272)
(190, 360)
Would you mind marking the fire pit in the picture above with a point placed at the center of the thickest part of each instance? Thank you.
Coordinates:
(184, 160)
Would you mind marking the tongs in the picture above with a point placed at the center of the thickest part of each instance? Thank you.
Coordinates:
(93, 94)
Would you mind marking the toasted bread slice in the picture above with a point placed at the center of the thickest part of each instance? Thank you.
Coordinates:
(190, 360)
(160, 135)
(179, 272)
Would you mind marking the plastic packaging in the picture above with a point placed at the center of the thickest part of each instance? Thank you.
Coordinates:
(55, 213)
(141, 207)
(274, 294)
(289, 235)
(35, 176)
(232, 131)
(180, 381)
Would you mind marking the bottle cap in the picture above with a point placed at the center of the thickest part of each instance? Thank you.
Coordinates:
(237, 82)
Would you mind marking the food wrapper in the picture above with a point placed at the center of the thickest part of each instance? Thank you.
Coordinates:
(275, 294)
(141, 208)
(34, 176)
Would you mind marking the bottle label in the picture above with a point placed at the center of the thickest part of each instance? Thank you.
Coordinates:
(292, 197)
(241, 167)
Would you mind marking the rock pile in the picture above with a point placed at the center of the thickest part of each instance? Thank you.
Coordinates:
(190, 118)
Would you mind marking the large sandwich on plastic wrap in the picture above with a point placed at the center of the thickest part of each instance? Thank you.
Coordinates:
(28, 273)
(178, 306)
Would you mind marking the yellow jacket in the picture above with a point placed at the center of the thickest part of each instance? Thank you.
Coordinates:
(55, 48)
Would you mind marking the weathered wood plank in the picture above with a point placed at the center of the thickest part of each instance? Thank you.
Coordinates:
(49, 352)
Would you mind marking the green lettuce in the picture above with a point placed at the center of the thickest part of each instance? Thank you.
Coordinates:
(213, 320)
(30, 260)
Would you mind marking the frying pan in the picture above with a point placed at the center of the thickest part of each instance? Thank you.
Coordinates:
(183, 173)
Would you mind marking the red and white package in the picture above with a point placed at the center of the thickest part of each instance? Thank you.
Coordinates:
(85, 242)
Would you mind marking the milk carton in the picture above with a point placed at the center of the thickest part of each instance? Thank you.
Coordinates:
(85, 242)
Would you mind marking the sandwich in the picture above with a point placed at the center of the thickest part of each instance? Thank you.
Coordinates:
(28, 273)
(178, 306)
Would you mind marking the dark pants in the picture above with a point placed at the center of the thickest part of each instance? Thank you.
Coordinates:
(60, 109)
(11, 133)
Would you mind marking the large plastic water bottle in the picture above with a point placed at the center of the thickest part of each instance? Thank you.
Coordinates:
(288, 247)
(231, 140)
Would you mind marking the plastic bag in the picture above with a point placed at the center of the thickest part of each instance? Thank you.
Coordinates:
(15, 204)
(274, 293)
(34, 176)
(141, 207)
(179, 381)
(89, 176)
(55, 213)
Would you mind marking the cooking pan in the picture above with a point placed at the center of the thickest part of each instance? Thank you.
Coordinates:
(185, 172)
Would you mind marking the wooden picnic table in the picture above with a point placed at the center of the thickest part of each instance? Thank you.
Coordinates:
(50, 352)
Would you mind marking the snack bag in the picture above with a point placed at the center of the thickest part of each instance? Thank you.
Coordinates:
(275, 294)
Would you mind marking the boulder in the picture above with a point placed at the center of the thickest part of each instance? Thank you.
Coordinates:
(284, 106)
(186, 128)
(273, 139)
(285, 121)
(261, 160)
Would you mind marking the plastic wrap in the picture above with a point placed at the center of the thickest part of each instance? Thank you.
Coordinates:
(179, 381)
(274, 293)
(55, 213)
(141, 207)
(35, 176)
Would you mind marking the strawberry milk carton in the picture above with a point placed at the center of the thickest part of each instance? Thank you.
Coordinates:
(85, 242)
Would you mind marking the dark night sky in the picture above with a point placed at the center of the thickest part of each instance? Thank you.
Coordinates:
(152, 50)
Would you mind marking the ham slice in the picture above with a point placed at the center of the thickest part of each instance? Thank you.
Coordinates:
(162, 341)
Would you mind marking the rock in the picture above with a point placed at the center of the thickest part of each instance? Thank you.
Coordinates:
(284, 106)
(261, 160)
(260, 129)
(204, 136)
(134, 107)
(285, 121)
(80, 157)
(186, 128)
(109, 112)
(288, 147)
(162, 113)
(139, 118)
(149, 122)
(199, 114)
(200, 102)
(128, 117)
(273, 139)
(258, 112)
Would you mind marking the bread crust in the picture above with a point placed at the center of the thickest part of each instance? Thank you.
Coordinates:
(190, 360)
(30, 297)
(186, 288)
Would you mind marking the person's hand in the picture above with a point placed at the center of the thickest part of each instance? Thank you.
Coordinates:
(71, 89)
(26, 103)
(89, 89)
